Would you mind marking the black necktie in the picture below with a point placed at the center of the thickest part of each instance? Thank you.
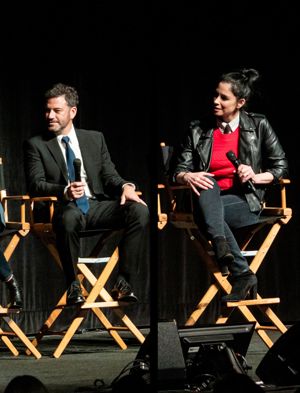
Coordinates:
(227, 129)
(81, 202)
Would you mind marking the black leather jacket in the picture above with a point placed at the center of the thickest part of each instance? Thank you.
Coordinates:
(259, 147)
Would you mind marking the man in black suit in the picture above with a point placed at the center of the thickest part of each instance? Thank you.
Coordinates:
(112, 201)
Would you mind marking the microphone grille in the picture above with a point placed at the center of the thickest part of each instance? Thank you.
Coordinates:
(230, 155)
(77, 161)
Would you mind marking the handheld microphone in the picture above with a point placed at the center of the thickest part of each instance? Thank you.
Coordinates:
(77, 169)
(236, 162)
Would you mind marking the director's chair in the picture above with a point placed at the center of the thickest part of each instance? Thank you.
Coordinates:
(13, 233)
(272, 220)
(96, 297)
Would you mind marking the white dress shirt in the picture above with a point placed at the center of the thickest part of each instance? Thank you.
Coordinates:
(76, 149)
(233, 124)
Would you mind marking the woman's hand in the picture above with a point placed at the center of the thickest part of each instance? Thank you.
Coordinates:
(245, 173)
(198, 180)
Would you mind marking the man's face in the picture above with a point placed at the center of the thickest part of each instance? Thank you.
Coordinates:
(59, 115)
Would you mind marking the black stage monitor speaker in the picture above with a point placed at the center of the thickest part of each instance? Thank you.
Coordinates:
(281, 364)
(170, 360)
(213, 351)
(196, 356)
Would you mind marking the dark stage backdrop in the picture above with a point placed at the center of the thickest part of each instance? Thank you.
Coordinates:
(141, 79)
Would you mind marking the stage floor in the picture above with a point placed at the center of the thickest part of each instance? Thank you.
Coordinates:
(94, 358)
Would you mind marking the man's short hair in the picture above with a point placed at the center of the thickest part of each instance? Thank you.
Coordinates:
(60, 89)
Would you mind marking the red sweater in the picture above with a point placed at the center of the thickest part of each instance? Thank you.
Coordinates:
(220, 166)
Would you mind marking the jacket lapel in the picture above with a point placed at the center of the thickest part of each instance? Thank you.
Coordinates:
(57, 154)
(86, 147)
(247, 139)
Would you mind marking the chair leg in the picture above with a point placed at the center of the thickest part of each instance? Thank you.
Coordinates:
(274, 318)
(221, 283)
(8, 343)
(16, 330)
(69, 334)
(110, 328)
(91, 302)
(49, 322)
(14, 241)
(20, 334)
(202, 305)
(99, 290)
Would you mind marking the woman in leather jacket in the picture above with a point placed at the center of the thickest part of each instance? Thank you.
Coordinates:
(228, 160)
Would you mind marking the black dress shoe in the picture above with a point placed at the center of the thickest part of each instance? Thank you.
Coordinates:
(243, 285)
(223, 254)
(123, 293)
(74, 294)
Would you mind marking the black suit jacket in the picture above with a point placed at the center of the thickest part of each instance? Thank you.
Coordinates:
(46, 171)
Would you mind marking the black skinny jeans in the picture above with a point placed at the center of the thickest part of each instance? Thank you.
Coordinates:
(218, 213)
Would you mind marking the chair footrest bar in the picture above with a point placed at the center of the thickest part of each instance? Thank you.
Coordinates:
(7, 334)
(250, 253)
(55, 333)
(100, 305)
(119, 328)
(254, 302)
(273, 328)
(93, 260)
(5, 311)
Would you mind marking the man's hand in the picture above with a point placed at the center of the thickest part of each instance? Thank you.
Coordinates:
(76, 190)
(129, 194)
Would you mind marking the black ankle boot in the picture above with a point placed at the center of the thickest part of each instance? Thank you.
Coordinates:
(242, 285)
(14, 294)
(223, 254)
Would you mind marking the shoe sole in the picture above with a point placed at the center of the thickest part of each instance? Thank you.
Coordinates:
(128, 299)
(73, 303)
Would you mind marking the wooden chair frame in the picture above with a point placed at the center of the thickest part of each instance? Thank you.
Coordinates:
(277, 217)
(15, 231)
(45, 233)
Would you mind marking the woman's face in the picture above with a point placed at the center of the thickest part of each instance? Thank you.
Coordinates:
(226, 104)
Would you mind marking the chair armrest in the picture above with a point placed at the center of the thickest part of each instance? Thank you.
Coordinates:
(48, 199)
(282, 186)
(282, 183)
(162, 217)
(44, 199)
(172, 192)
(23, 202)
(281, 211)
(180, 187)
(16, 198)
